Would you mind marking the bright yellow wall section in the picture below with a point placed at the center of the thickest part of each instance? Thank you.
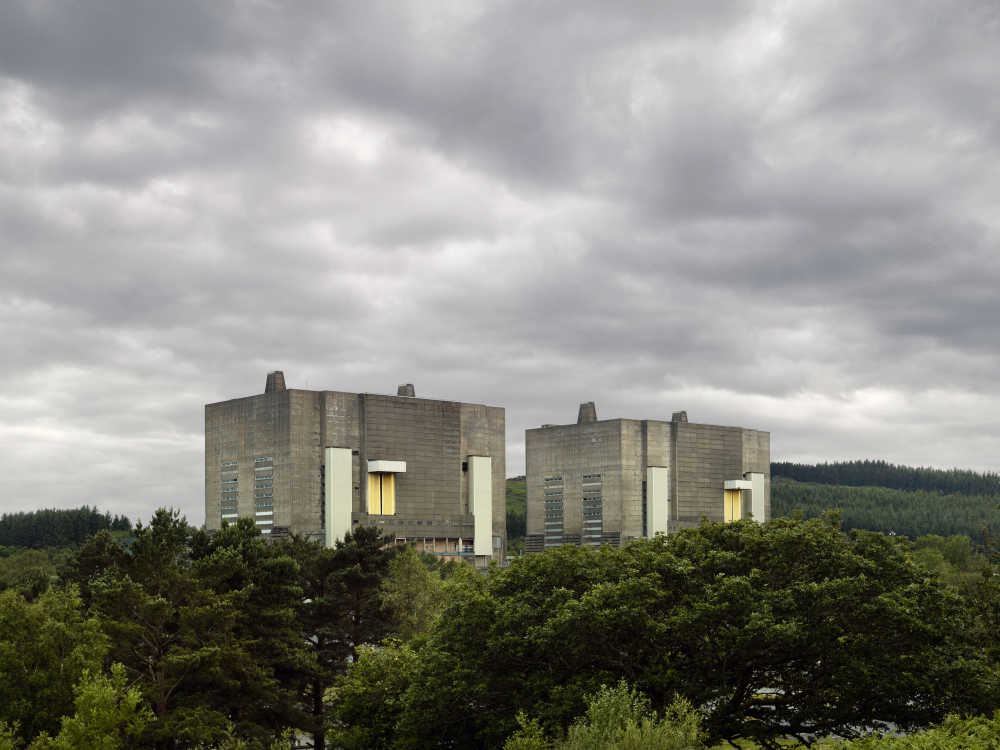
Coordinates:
(732, 505)
(381, 493)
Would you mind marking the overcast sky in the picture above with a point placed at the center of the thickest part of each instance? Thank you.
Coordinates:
(780, 215)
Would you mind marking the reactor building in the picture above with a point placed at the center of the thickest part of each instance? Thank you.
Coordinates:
(606, 482)
(320, 463)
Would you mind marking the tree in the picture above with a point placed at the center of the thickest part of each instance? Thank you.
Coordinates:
(29, 571)
(203, 624)
(783, 628)
(109, 715)
(954, 733)
(366, 701)
(618, 718)
(341, 608)
(414, 591)
(45, 648)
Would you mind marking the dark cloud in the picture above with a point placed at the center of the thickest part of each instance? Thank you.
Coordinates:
(775, 215)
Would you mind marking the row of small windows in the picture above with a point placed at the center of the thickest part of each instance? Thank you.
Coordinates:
(258, 495)
(263, 486)
(553, 479)
(591, 476)
(267, 460)
(227, 464)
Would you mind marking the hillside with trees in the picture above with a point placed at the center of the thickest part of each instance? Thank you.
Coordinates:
(875, 473)
(517, 517)
(57, 528)
(891, 499)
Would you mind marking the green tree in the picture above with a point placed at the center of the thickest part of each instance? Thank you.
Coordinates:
(29, 571)
(341, 608)
(775, 629)
(366, 700)
(954, 733)
(618, 718)
(203, 624)
(414, 592)
(45, 647)
(109, 715)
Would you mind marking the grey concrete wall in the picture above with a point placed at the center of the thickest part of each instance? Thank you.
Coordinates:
(244, 429)
(699, 458)
(706, 456)
(571, 451)
(293, 427)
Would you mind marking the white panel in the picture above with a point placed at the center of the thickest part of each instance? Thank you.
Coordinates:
(657, 500)
(737, 484)
(757, 496)
(338, 494)
(481, 502)
(388, 467)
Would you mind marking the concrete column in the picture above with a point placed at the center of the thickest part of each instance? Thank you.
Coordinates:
(339, 470)
(757, 496)
(481, 503)
(657, 500)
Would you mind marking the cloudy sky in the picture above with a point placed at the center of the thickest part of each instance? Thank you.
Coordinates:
(780, 215)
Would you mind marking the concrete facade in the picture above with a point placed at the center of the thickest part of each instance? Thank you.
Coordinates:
(609, 481)
(265, 458)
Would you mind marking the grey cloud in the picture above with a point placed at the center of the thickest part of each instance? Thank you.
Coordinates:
(776, 215)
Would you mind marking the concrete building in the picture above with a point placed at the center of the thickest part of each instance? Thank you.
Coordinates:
(318, 463)
(605, 482)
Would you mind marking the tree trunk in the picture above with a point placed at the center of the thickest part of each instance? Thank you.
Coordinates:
(319, 731)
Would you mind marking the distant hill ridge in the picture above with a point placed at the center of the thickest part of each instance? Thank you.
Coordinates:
(878, 473)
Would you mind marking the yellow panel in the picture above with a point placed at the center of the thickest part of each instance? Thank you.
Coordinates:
(732, 505)
(374, 494)
(381, 494)
(388, 494)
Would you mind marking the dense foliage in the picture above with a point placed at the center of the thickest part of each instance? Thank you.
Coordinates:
(181, 640)
(56, 528)
(908, 513)
(784, 628)
(870, 473)
(976, 733)
(618, 718)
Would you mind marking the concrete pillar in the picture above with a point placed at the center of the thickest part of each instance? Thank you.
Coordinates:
(481, 503)
(657, 500)
(337, 498)
(757, 497)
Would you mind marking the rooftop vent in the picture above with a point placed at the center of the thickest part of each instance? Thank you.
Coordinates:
(275, 382)
(406, 389)
(588, 413)
(679, 416)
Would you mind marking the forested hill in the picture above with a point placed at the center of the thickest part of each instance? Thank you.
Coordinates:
(891, 499)
(869, 473)
(56, 528)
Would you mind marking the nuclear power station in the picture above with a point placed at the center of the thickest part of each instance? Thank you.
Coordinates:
(319, 463)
